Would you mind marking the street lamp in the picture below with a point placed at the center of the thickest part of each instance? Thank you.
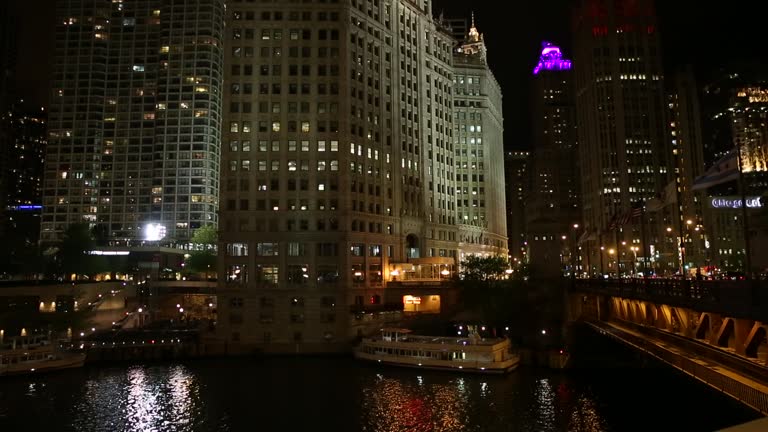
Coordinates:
(611, 252)
(634, 250)
(602, 268)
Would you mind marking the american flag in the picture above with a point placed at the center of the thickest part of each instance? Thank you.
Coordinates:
(619, 220)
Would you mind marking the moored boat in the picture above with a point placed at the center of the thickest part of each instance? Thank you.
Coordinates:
(35, 354)
(461, 354)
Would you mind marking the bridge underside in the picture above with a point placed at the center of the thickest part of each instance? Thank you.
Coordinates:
(744, 337)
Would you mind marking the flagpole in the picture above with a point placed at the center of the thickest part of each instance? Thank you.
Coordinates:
(602, 267)
(646, 249)
(618, 254)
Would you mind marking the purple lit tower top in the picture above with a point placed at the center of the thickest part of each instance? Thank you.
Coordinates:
(551, 59)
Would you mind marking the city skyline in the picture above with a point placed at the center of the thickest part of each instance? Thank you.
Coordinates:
(692, 33)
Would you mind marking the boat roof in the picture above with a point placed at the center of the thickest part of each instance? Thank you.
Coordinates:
(395, 330)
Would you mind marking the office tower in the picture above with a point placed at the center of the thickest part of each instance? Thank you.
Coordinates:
(478, 141)
(719, 90)
(135, 118)
(7, 66)
(516, 166)
(339, 184)
(688, 159)
(27, 151)
(553, 213)
(736, 104)
(624, 150)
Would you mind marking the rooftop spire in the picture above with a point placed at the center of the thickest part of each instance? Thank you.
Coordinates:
(474, 36)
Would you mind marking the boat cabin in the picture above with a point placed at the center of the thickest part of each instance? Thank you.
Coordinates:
(390, 334)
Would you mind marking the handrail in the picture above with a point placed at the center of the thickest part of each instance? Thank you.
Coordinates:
(740, 299)
(744, 393)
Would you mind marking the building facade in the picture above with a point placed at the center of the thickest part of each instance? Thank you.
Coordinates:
(27, 151)
(338, 171)
(516, 168)
(7, 68)
(624, 151)
(688, 158)
(135, 119)
(478, 141)
(553, 214)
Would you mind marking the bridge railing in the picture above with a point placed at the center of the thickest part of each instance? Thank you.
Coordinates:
(736, 389)
(741, 299)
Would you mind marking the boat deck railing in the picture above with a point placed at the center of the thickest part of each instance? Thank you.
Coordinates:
(445, 340)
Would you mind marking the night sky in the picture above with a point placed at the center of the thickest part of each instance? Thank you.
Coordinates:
(704, 34)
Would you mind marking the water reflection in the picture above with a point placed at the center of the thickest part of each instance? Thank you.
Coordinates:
(142, 399)
(443, 403)
(341, 395)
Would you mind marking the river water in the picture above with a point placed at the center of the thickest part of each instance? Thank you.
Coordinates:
(341, 394)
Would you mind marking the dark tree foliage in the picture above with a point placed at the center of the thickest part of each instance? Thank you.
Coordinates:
(73, 256)
(202, 259)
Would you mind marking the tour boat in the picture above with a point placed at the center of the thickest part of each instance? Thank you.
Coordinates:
(400, 347)
(34, 354)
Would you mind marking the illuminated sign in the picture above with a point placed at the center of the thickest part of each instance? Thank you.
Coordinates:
(755, 94)
(412, 300)
(25, 207)
(735, 202)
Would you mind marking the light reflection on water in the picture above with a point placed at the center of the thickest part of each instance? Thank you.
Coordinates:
(156, 399)
(287, 394)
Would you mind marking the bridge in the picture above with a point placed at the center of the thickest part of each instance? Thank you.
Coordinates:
(713, 330)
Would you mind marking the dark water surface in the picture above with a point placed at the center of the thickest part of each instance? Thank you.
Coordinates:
(341, 394)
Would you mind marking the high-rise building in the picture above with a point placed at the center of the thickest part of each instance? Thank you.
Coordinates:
(339, 177)
(27, 151)
(478, 143)
(553, 210)
(7, 66)
(736, 106)
(516, 166)
(135, 118)
(688, 159)
(717, 95)
(624, 150)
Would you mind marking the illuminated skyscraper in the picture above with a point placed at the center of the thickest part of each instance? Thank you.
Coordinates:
(624, 150)
(478, 141)
(339, 169)
(554, 202)
(135, 117)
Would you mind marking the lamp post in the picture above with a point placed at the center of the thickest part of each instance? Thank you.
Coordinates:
(634, 250)
(611, 252)
(573, 251)
(602, 267)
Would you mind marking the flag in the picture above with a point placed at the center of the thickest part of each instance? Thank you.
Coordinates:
(670, 193)
(664, 198)
(724, 170)
(627, 216)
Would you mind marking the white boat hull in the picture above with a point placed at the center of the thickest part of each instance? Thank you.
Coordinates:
(67, 361)
(500, 367)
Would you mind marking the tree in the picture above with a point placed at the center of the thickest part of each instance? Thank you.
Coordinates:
(205, 237)
(484, 269)
(203, 256)
(74, 252)
(483, 287)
